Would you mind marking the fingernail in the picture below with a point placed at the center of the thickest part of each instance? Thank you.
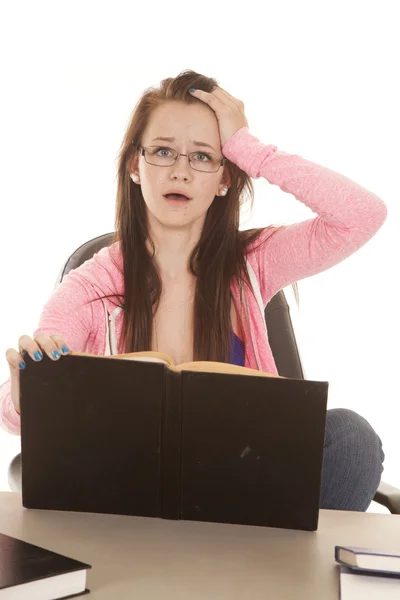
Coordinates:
(38, 355)
(64, 350)
(192, 90)
(56, 354)
(22, 365)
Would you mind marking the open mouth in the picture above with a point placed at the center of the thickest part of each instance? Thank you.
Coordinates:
(176, 197)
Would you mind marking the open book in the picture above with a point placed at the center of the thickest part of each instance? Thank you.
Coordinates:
(206, 366)
(203, 441)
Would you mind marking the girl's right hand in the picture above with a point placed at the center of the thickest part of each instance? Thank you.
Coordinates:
(53, 345)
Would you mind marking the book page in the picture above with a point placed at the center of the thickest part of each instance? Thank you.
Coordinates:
(145, 356)
(219, 367)
(205, 366)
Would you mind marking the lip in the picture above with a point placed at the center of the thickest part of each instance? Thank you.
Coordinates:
(176, 203)
(177, 191)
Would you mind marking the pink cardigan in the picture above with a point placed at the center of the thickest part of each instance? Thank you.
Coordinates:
(348, 216)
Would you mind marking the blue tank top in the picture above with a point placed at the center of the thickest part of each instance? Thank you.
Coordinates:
(236, 355)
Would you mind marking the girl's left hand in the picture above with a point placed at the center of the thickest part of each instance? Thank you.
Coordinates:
(228, 110)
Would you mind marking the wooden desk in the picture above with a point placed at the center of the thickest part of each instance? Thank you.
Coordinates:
(136, 557)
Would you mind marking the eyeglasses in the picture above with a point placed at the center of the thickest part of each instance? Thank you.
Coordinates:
(162, 156)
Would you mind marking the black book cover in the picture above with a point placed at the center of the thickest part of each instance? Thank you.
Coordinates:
(21, 562)
(119, 436)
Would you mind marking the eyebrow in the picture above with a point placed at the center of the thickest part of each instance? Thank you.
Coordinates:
(172, 139)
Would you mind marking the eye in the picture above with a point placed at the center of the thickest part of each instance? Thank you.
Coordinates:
(208, 156)
(160, 149)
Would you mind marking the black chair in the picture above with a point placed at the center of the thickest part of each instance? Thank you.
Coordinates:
(281, 338)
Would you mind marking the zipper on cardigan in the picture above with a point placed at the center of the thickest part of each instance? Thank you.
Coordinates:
(248, 322)
(109, 335)
(112, 333)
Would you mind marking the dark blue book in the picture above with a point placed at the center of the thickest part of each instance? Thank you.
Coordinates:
(368, 559)
(28, 571)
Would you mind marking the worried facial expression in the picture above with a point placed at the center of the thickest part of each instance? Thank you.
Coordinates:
(191, 129)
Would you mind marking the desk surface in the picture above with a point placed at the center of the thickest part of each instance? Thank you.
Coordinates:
(136, 557)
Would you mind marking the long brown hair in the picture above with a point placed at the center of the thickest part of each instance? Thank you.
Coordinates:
(218, 257)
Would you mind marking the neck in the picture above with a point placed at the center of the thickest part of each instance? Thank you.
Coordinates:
(173, 249)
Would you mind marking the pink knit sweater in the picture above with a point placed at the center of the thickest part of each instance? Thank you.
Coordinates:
(348, 216)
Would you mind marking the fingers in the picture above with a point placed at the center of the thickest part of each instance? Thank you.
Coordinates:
(53, 345)
(227, 98)
(14, 359)
(223, 94)
(50, 344)
(211, 99)
(218, 98)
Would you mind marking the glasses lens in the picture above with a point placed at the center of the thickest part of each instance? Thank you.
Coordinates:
(202, 161)
(162, 157)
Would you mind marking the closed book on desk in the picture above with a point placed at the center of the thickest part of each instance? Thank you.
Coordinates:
(368, 559)
(34, 573)
(368, 585)
(135, 435)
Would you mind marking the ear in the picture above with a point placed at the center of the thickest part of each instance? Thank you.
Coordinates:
(133, 163)
(225, 181)
(226, 178)
(133, 168)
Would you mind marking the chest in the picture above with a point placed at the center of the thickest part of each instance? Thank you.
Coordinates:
(173, 322)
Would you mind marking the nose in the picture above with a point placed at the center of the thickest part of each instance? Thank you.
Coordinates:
(181, 167)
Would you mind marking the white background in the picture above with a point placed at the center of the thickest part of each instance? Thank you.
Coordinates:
(318, 79)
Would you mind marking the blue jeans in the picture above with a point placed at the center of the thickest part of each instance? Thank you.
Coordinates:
(352, 462)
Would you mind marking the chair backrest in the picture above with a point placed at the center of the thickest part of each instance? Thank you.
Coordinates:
(277, 313)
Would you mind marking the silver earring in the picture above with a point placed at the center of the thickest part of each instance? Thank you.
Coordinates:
(135, 177)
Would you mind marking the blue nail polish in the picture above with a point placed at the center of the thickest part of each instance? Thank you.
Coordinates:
(22, 365)
(38, 355)
(64, 350)
(56, 354)
(192, 90)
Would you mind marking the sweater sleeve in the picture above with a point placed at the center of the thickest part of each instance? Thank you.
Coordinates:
(68, 313)
(348, 214)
